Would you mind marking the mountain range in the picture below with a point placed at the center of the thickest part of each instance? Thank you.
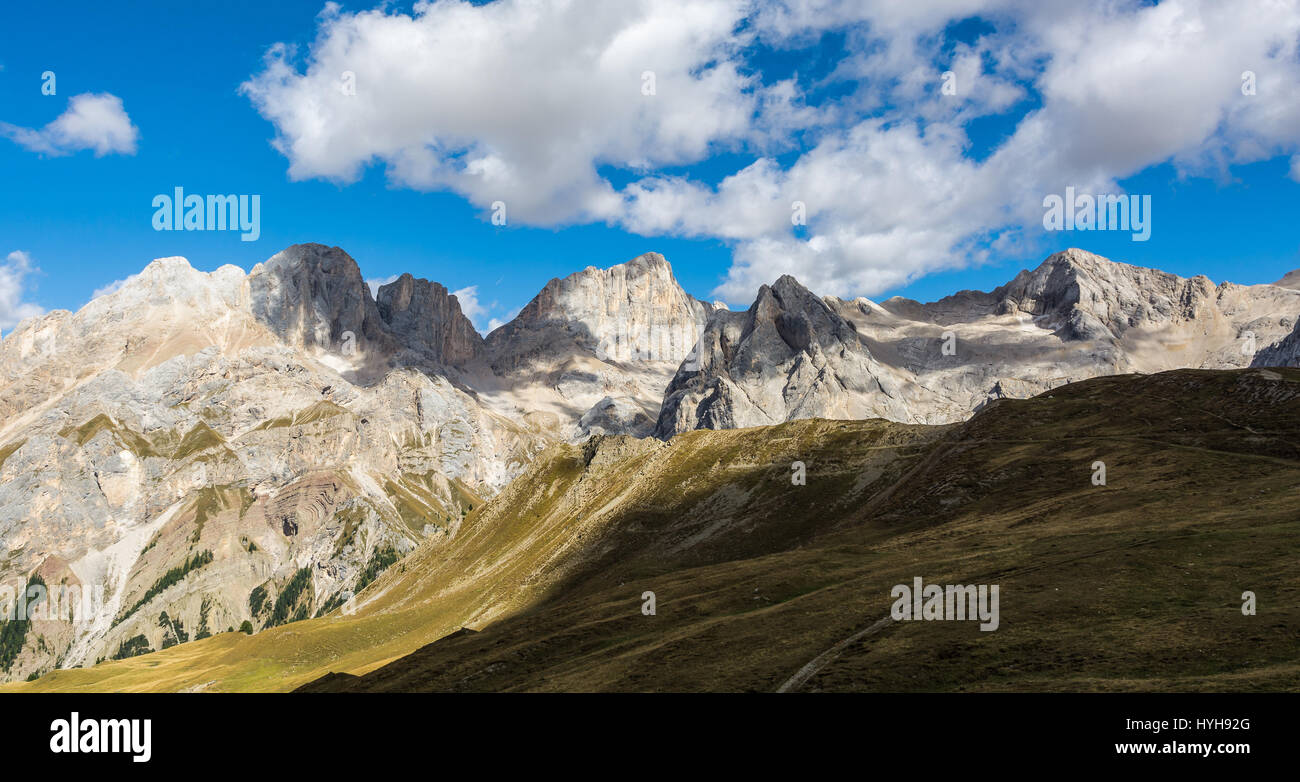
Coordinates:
(763, 583)
(224, 449)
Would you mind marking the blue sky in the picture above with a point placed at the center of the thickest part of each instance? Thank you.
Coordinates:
(908, 191)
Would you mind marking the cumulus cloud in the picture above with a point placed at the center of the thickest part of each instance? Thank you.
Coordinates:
(529, 102)
(15, 270)
(496, 323)
(1120, 87)
(519, 101)
(480, 312)
(92, 121)
(470, 305)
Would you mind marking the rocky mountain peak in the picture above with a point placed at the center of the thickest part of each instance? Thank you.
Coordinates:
(1052, 289)
(1088, 297)
(169, 280)
(645, 283)
(788, 287)
(596, 307)
(799, 317)
(1075, 315)
(311, 295)
(424, 314)
(790, 355)
(190, 412)
(650, 262)
(1290, 280)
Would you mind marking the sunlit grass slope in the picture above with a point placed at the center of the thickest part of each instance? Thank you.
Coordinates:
(1136, 584)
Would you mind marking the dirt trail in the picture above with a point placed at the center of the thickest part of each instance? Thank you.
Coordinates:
(808, 671)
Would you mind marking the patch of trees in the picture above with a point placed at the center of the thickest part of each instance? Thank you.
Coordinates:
(132, 647)
(172, 576)
(288, 606)
(13, 630)
(380, 560)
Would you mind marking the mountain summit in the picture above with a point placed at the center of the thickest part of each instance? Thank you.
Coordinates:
(219, 448)
(1076, 316)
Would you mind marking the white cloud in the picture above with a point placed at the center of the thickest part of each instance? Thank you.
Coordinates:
(13, 274)
(470, 306)
(523, 101)
(92, 121)
(496, 323)
(1122, 87)
(518, 100)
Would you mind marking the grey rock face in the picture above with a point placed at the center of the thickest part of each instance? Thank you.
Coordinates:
(615, 416)
(789, 356)
(1076, 316)
(1290, 280)
(618, 333)
(230, 416)
(1283, 353)
(311, 295)
(286, 421)
(424, 314)
(630, 312)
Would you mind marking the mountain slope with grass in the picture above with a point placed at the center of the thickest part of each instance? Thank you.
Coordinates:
(763, 584)
(189, 443)
(1134, 585)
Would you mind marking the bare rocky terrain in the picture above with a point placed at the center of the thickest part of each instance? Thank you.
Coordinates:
(793, 355)
(214, 449)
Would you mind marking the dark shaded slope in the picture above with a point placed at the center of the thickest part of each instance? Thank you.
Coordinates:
(1136, 584)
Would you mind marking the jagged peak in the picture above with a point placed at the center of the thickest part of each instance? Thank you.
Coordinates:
(406, 283)
(560, 294)
(1083, 261)
(791, 295)
(645, 263)
(171, 278)
(312, 254)
(168, 263)
(311, 294)
(649, 259)
(1074, 256)
(423, 313)
(176, 265)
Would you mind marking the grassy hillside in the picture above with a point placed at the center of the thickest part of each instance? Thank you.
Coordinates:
(1136, 584)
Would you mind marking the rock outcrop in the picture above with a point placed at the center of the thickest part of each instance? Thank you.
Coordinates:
(634, 311)
(268, 434)
(1290, 280)
(789, 356)
(1076, 316)
(209, 449)
(1283, 353)
(595, 350)
(311, 295)
(424, 315)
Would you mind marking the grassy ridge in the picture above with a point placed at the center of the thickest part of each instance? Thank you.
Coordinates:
(1133, 585)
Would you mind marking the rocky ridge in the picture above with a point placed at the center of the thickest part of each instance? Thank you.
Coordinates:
(1078, 315)
(218, 448)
